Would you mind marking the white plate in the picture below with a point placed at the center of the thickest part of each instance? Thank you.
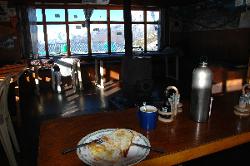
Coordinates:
(135, 154)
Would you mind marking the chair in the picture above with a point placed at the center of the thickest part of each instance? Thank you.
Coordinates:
(65, 67)
(248, 72)
(7, 132)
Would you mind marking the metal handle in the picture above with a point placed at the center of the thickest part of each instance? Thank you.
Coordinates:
(210, 106)
(155, 149)
(67, 150)
(244, 88)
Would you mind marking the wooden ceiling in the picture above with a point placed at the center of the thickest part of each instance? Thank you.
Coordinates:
(156, 3)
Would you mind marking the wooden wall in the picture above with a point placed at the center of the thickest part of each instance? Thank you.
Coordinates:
(231, 46)
(9, 41)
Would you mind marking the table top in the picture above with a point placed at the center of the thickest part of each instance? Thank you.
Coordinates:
(183, 139)
(14, 70)
(168, 53)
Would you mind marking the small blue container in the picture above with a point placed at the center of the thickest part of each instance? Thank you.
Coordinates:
(148, 117)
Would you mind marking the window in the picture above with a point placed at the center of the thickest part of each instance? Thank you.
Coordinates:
(152, 16)
(39, 16)
(116, 15)
(117, 31)
(63, 31)
(152, 37)
(117, 38)
(138, 35)
(40, 43)
(57, 44)
(99, 41)
(55, 15)
(99, 15)
(149, 27)
(78, 39)
(76, 15)
(152, 30)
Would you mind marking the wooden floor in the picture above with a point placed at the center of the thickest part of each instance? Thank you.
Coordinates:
(44, 104)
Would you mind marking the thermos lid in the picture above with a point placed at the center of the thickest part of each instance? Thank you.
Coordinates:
(203, 64)
(203, 61)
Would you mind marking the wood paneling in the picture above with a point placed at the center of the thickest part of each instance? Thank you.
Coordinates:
(224, 46)
(158, 3)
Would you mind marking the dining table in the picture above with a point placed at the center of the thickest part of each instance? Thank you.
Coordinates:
(182, 139)
(14, 70)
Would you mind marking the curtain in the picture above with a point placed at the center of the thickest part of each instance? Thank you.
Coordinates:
(33, 30)
(24, 29)
(88, 13)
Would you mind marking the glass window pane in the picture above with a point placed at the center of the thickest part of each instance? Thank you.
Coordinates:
(38, 43)
(99, 15)
(40, 39)
(137, 16)
(138, 35)
(152, 37)
(78, 39)
(117, 38)
(76, 15)
(57, 39)
(116, 15)
(39, 16)
(99, 41)
(55, 15)
(152, 16)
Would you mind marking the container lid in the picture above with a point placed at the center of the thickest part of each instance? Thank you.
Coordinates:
(203, 61)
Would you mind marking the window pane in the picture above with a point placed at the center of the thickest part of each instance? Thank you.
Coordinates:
(76, 15)
(57, 39)
(152, 16)
(137, 16)
(99, 15)
(152, 37)
(78, 39)
(37, 39)
(117, 38)
(40, 39)
(99, 41)
(39, 16)
(138, 35)
(55, 15)
(116, 15)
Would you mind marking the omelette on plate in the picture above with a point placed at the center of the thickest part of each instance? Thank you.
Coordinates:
(114, 146)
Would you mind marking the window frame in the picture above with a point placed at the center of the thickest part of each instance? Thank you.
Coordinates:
(44, 23)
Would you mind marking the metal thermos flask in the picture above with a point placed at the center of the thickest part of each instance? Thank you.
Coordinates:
(201, 93)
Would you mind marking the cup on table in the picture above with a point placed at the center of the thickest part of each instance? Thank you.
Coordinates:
(147, 117)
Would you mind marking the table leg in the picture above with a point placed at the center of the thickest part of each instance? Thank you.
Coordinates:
(79, 75)
(101, 74)
(177, 67)
(176, 76)
(166, 66)
(96, 72)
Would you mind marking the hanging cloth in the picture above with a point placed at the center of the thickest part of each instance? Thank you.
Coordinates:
(88, 13)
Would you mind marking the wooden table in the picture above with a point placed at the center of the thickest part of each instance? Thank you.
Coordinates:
(183, 139)
(99, 67)
(14, 70)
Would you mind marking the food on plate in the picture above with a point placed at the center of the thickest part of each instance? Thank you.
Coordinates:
(114, 146)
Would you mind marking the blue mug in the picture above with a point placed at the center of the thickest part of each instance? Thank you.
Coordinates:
(147, 117)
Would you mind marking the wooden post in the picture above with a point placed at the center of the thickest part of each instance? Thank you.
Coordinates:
(127, 27)
(127, 61)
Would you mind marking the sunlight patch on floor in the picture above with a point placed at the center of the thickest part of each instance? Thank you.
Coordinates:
(234, 85)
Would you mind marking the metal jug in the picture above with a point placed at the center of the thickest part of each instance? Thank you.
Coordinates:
(201, 93)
